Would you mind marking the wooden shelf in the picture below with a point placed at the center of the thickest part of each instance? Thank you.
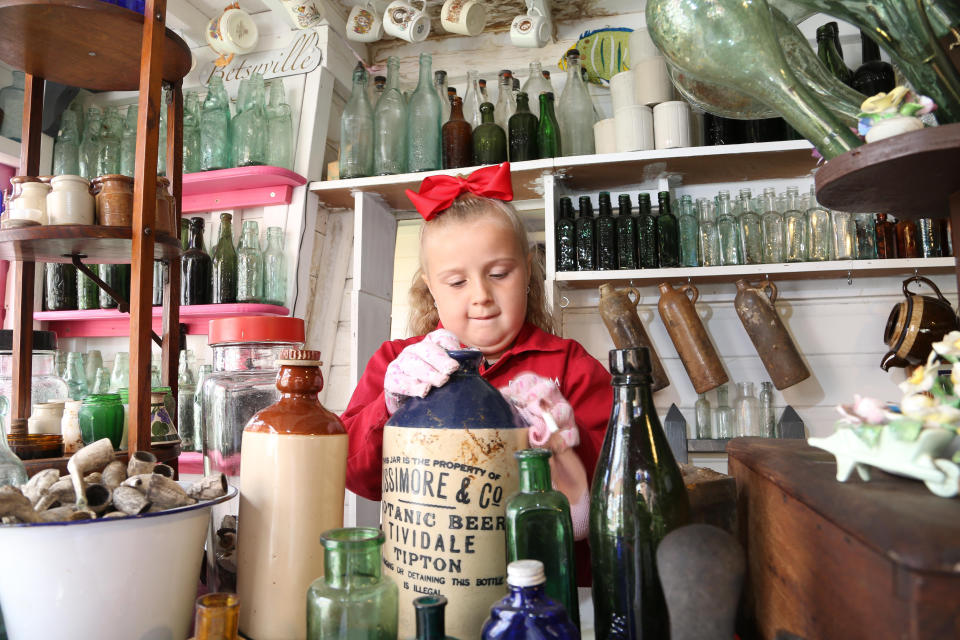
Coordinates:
(238, 188)
(94, 243)
(791, 271)
(82, 43)
(705, 445)
(166, 455)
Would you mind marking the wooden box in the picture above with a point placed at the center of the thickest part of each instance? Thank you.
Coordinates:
(830, 560)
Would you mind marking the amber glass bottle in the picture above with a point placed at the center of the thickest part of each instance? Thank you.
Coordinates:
(457, 138)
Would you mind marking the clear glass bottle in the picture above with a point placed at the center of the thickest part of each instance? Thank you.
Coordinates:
(274, 269)
(12, 471)
(186, 390)
(819, 229)
(534, 85)
(506, 102)
(11, 105)
(726, 421)
(248, 129)
(689, 233)
(751, 230)
(423, 122)
(867, 236)
(648, 249)
(566, 236)
(668, 233)
(66, 148)
(217, 617)
(75, 377)
(197, 401)
(527, 611)
(128, 142)
(703, 417)
(108, 157)
(440, 86)
(215, 127)
(249, 264)
(352, 599)
(120, 373)
(472, 100)
(191, 133)
(728, 231)
(626, 234)
(389, 126)
(606, 234)
(279, 127)
(90, 145)
(768, 416)
(844, 235)
(586, 229)
(224, 265)
(709, 238)
(771, 228)
(929, 241)
(575, 111)
(747, 409)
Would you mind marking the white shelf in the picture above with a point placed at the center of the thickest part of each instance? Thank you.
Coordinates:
(791, 271)
(10, 153)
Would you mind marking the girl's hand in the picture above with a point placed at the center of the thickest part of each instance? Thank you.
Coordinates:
(534, 396)
(419, 368)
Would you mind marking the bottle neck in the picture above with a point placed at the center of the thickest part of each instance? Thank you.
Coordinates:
(456, 109)
(486, 113)
(218, 617)
(343, 567)
(632, 391)
(523, 103)
(226, 229)
(196, 237)
(526, 594)
(426, 73)
(430, 620)
(546, 106)
(870, 50)
(573, 71)
(535, 475)
(393, 75)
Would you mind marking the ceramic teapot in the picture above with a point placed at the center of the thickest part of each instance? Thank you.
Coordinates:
(915, 324)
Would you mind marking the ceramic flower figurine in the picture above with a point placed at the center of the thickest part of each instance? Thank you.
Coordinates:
(887, 114)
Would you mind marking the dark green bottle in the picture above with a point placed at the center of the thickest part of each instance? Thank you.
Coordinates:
(88, 296)
(648, 252)
(637, 497)
(566, 236)
(430, 618)
(224, 264)
(626, 235)
(539, 527)
(668, 233)
(523, 131)
(829, 55)
(586, 228)
(489, 139)
(195, 266)
(549, 144)
(60, 286)
(606, 234)
(117, 276)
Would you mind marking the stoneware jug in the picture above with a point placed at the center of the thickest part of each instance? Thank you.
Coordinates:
(619, 312)
(915, 324)
(770, 338)
(689, 336)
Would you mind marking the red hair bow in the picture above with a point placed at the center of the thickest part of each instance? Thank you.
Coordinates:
(438, 192)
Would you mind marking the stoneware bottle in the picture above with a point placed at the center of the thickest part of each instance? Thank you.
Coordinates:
(774, 345)
(689, 336)
(619, 312)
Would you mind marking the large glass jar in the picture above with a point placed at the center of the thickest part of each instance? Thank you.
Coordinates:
(45, 385)
(243, 381)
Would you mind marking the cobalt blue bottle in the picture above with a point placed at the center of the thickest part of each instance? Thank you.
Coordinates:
(527, 613)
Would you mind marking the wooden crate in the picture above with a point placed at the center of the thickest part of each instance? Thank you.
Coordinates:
(830, 560)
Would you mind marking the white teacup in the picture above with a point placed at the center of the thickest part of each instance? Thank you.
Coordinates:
(466, 17)
(364, 24)
(232, 32)
(531, 30)
(403, 20)
(305, 14)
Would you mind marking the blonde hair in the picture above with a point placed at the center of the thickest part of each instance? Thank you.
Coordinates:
(467, 208)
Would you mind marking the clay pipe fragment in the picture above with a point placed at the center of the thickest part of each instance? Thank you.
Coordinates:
(130, 501)
(114, 474)
(209, 487)
(93, 457)
(164, 470)
(39, 484)
(141, 462)
(99, 498)
(13, 503)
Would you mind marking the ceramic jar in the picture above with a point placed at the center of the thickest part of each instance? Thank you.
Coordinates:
(69, 201)
(619, 312)
(30, 207)
(690, 337)
(163, 220)
(101, 416)
(114, 195)
(915, 324)
(70, 426)
(45, 418)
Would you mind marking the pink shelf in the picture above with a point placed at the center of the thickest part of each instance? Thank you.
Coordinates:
(238, 188)
(110, 322)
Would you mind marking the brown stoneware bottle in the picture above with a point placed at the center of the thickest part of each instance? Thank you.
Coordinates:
(457, 138)
(689, 336)
(619, 312)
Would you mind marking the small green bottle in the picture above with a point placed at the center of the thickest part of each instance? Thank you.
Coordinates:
(626, 235)
(249, 264)
(606, 234)
(549, 143)
(523, 131)
(430, 618)
(566, 233)
(689, 233)
(668, 233)
(647, 246)
(224, 264)
(586, 236)
(489, 139)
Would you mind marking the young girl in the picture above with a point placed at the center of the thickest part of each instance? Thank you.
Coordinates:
(480, 285)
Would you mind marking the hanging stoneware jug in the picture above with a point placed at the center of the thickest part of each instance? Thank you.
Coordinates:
(448, 469)
(770, 338)
(690, 337)
(619, 312)
(915, 324)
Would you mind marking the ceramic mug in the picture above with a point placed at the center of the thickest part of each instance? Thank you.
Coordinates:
(364, 24)
(671, 124)
(307, 14)
(232, 32)
(915, 324)
(530, 30)
(466, 17)
(403, 20)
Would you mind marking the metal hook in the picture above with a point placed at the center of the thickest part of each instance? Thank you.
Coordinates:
(849, 278)
(564, 302)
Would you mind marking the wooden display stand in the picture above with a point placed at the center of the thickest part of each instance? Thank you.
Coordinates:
(94, 44)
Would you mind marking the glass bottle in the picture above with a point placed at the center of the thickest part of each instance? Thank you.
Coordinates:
(357, 130)
(162, 133)
(586, 228)
(440, 86)
(389, 126)
(795, 232)
(159, 279)
(866, 236)
(768, 416)
(66, 148)
(751, 230)
(117, 276)
(747, 409)
(60, 282)
(75, 377)
(576, 111)
(926, 232)
(534, 85)
(191, 133)
(472, 100)
(506, 103)
(379, 86)
(457, 138)
(549, 140)
(120, 373)
(771, 228)
(489, 139)
(702, 414)
(522, 129)
(689, 234)
(423, 122)
(566, 236)
(217, 617)
(626, 234)
(195, 268)
(11, 105)
(728, 231)
(886, 237)
(249, 264)
(101, 382)
(844, 235)
(12, 470)
(908, 242)
(88, 296)
(527, 611)
(90, 145)
(351, 599)
(274, 269)
(430, 618)
(248, 128)
(186, 390)
(202, 372)
(128, 142)
(725, 417)
(827, 51)
(819, 230)
(873, 76)
(482, 84)
(606, 233)
(215, 127)
(223, 265)
(668, 233)
(648, 247)
(539, 527)
(637, 497)
(709, 239)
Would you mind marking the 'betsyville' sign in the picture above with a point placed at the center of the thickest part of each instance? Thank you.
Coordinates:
(302, 55)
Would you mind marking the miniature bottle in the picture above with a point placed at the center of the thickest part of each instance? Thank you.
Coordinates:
(709, 238)
(606, 234)
(527, 612)
(768, 416)
(626, 234)
(274, 269)
(771, 228)
(586, 236)
(430, 618)
(747, 409)
(566, 236)
(217, 617)
(819, 230)
(703, 417)
(728, 231)
(648, 252)
(668, 233)
(689, 234)
(751, 232)
(726, 420)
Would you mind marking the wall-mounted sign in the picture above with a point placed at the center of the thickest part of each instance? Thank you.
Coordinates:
(302, 55)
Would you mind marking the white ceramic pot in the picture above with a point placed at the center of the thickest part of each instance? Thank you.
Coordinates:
(70, 427)
(117, 579)
(605, 135)
(651, 82)
(32, 203)
(634, 126)
(622, 91)
(671, 124)
(69, 201)
(45, 418)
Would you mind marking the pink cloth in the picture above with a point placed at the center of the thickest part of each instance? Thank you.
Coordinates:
(420, 367)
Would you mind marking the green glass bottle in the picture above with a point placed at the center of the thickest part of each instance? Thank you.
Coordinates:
(191, 133)
(88, 296)
(829, 55)
(423, 122)
(539, 527)
(430, 618)
(249, 264)
(637, 497)
(274, 268)
(586, 228)
(668, 233)
(566, 233)
(549, 143)
(626, 234)
(648, 252)
(224, 265)
(689, 233)
(356, 130)
(523, 131)
(489, 139)
(117, 276)
(606, 234)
